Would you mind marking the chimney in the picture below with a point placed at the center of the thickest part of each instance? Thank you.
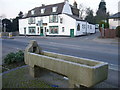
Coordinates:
(75, 4)
(43, 5)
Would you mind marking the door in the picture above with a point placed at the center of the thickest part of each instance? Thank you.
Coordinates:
(25, 31)
(71, 32)
(41, 31)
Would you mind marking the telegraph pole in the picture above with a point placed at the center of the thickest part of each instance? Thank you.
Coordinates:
(0, 25)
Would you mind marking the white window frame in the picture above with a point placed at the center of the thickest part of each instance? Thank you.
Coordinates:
(31, 20)
(42, 10)
(54, 9)
(32, 12)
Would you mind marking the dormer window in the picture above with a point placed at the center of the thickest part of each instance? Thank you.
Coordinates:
(32, 12)
(54, 9)
(42, 10)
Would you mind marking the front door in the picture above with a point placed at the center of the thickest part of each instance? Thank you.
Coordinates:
(25, 31)
(71, 32)
(41, 31)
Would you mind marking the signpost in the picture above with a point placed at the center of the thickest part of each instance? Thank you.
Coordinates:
(103, 30)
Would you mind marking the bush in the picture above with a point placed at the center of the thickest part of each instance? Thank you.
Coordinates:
(106, 25)
(14, 57)
(118, 31)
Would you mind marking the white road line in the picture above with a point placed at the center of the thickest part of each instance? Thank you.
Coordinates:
(52, 48)
(114, 67)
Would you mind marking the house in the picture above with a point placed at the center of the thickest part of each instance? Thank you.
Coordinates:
(61, 19)
(114, 20)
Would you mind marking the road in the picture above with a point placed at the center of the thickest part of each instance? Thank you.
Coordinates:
(84, 47)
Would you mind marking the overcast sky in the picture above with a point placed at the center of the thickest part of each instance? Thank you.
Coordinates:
(11, 8)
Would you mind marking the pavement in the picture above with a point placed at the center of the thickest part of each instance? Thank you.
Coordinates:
(94, 37)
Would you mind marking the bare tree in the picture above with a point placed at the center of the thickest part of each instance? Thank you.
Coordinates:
(1, 18)
(82, 10)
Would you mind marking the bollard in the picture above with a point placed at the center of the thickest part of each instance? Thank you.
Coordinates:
(10, 35)
(0, 35)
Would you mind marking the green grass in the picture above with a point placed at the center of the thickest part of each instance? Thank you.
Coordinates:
(5, 67)
(21, 79)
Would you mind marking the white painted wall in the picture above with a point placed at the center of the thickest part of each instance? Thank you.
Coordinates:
(67, 8)
(113, 24)
(82, 30)
(90, 28)
(68, 23)
(22, 24)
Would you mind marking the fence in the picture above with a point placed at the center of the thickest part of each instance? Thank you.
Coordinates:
(2, 34)
(108, 33)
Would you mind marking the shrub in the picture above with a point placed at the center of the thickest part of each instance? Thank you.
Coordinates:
(118, 31)
(106, 25)
(14, 57)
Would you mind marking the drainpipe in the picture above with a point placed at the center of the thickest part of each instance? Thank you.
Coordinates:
(86, 27)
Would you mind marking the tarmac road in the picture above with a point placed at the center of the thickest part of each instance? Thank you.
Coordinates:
(83, 47)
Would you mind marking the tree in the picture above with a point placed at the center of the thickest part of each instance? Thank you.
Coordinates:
(7, 24)
(101, 12)
(82, 10)
(20, 15)
(1, 18)
(90, 17)
(15, 24)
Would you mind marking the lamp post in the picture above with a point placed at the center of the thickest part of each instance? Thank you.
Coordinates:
(1, 25)
(4, 27)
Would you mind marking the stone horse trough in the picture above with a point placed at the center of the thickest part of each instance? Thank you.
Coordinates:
(80, 71)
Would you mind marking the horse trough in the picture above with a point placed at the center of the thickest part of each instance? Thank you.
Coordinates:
(80, 71)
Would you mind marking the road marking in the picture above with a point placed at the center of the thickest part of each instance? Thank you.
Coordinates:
(52, 48)
(114, 67)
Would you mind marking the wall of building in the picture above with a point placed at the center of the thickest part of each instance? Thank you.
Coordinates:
(67, 22)
(82, 30)
(67, 8)
(23, 23)
(114, 23)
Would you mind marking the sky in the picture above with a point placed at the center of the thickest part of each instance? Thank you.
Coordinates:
(11, 8)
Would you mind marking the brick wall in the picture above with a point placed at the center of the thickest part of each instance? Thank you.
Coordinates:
(108, 33)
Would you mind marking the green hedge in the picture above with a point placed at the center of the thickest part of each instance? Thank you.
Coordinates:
(106, 25)
(14, 57)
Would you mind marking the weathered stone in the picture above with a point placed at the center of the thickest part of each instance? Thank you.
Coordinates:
(80, 71)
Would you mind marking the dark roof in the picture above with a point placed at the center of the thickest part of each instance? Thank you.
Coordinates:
(75, 17)
(75, 11)
(117, 15)
(48, 10)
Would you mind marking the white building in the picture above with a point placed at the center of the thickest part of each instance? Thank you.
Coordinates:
(60, 19)
(114, 20)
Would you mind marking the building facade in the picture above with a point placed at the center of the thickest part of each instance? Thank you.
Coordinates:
(60, 19)
(114, 21)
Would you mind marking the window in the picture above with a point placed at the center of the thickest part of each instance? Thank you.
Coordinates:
(83, 26)
(42, 10)
(78, 27)
(31, 20)
(53, 18)
(90, 26)
(53, 29)
(54, 9)
(32, 12)
(32, 30)
(63, 29)
(47, 30)
(38, 30)
(61, 20)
